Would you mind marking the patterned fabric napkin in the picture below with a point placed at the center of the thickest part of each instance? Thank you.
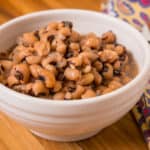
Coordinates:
(137, 13)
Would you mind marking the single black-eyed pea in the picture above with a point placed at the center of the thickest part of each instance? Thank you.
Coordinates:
(33, 59)
(75, 36)
(21, 54)
(107, 71)
(34, 70)
(109, 37)
(52, 26)
(87, 69)
(60, 25)
(72, 74)
(54, 44)
(114, 85)
(59, 96)
(55, 59)
(41, 32)
(12, 80)
(116, 78)
(108, 56)
(97, 77)
(65, 31)
(27, 39)
(98, 65)
(57, 87)
(51, 68)
(88, 57)
(124, 59)
(78, 92)
(61, 47)
(42, 74)
(107, 90)
(120, 50)
(99, 89)
(125, 79)
(48, 78)
(109, 46)
(21, 72)
(69, 86)
(68, 95)
(60, 37)
(117, 65)
(38, 88)
(28, 88)
(75, 61)
(5, 65)
(42, 48)
(88, 93)
(25, 88)
(74, 47)
(93, 42)
(86, 79)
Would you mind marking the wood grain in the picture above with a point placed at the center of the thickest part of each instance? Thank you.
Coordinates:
(124, 135)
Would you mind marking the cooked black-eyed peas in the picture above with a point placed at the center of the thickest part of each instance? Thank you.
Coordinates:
(56, 62)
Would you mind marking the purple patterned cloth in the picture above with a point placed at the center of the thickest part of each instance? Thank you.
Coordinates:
(135, 12)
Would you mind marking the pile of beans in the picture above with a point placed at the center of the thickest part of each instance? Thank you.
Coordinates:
(57, 62)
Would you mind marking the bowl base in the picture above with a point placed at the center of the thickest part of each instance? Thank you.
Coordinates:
(65, 139)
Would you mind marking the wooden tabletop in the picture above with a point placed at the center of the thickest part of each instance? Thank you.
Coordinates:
(123, 135)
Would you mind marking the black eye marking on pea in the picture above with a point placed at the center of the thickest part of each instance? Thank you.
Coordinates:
(23, 59)
(35, 53)
(93, 86)
(68, 24)
(79, 67)
(122, 58)
(67, 41)
(2, 69)
(60, 77)
(70, 63)
(18, 75)
(104, 37)
(50, 38)
(117, 72)
(54, 63)
(41, 78)
(32, 80)
(30, 92)
(68, 54)
(42, 94)
(105, 68)
(51, 91)
(36, 34)
(71, 89)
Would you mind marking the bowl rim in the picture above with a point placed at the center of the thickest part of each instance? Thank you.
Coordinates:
(105, 97)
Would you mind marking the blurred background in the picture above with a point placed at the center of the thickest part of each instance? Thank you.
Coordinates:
(13, 8)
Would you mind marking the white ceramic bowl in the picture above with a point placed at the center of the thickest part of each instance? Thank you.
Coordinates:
(79, 119)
